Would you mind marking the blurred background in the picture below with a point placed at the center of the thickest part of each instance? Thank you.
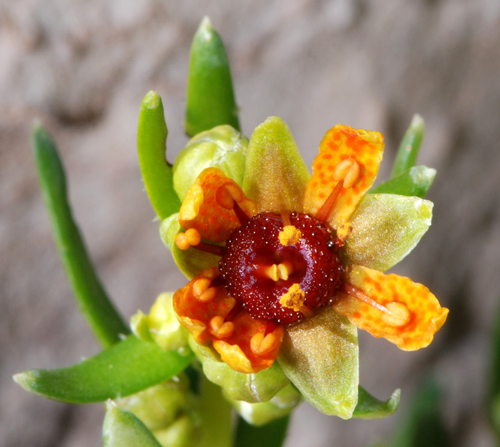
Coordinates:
(82, 68)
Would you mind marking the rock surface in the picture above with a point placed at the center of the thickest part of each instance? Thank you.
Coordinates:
(83, 67)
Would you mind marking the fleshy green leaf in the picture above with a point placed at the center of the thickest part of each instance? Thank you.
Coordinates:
(151, 144)
(221, 147)
(386, 227)
(126, 368)
(406, 156)
(275, 174)
(424, 423)
(415, 181)
(210, 95)
(90, 295)
(263, 413)
(369, 407)
(252, 388)
(122, 429)
(320, 357)
(190, 261)
(269, 435)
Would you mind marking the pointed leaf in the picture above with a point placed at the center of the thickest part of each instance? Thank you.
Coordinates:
(122, 429)
(406, 156)
(210, 95)
(151, 144)
(191, 262)
(126, 368)
(221, 147)
(385, 228)
(275, 174)
(369, 407)
(320, 357)
(413, 182)
(90, 295)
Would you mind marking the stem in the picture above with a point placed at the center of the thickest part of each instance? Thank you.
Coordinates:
(91, 297)
(269, 435)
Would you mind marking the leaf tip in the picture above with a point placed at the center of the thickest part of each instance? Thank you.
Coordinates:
(152, 100)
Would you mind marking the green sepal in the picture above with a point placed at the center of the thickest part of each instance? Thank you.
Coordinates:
(151, 145)
(190, 261)
(269, 435)
(161, 325)
(386, 227)
(263, 413)
(320, 357)
(369, 407)
(122, 429)
(275, 174)
(415, 181)
(409, 147)
(251, 388)
(128, 367)
(222, 147)
(210, 95)
(100, 313)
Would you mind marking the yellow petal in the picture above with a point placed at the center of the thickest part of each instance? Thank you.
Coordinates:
(344, 154)
(414, 312)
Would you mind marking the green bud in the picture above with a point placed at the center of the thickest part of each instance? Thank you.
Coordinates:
(158, 407)
(161, 325)
(184, 432)
(222, 147)
(263, 413)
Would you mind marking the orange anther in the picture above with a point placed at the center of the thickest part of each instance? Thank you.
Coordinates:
(200, 286)
(262, 345)
(208, 295)
(347, 170)
(190, 238)
(181, 241)
(220, 328)
(228, 194)
(399, 315)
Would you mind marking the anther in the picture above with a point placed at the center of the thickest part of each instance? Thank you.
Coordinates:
(361, 296)
(329, 204)
(399, 315)
(262, 345)
(290, 235)
(228, 196)
(347, 170)
(202, 290)
(188, 239)
(285, 269)
(220, 328)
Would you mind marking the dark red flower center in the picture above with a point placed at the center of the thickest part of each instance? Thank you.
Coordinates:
(282, 272)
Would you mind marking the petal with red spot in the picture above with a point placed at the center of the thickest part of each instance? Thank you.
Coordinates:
(203, 211)
(344, 154)
(414, 312)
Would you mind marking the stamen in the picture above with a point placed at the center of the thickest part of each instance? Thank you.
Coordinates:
(347, 170)
(327, 207)
(285, 269)
(306, 311)
(240, 214)
(220, 328)
(399, 314)
(285, 218)
(289, 235)
(361, 296)
(294, 298)
(228, 196)
(209, 248)
(261, 344)
(271, 272)
(271, 326)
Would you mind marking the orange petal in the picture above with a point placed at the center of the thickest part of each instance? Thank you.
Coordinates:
(194, 312)
(344, 154)
(415, 314)
(243, 355)
(202, 211)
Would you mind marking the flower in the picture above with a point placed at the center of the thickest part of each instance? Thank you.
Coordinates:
(294, 253)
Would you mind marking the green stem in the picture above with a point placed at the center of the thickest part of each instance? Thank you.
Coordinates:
(216, 416)
(406, 156)
(269, 435)
(92, 300)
